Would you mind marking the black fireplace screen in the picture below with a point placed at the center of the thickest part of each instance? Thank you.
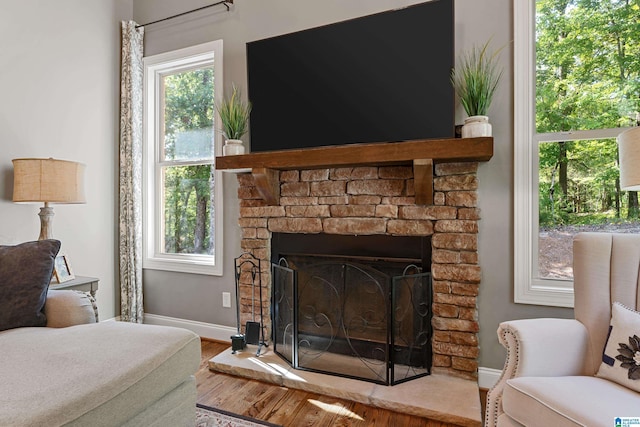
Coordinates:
(363, 319)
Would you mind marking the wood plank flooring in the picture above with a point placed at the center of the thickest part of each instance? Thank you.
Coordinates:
(289, 407)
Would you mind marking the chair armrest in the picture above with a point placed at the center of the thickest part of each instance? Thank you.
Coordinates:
(537, 348)
(544, 347)
(68, 308)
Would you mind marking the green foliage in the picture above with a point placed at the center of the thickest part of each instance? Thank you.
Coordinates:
(587, 56)
(476, 79)
(234, 114)
(189, 114)
(587, 77)
(188, 210)
(188, 137)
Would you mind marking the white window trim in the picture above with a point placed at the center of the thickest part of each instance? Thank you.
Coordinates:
(153, 258)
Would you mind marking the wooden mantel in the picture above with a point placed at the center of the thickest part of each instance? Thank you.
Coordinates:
(422, 154)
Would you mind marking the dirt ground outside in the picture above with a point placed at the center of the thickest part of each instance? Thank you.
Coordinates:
(555, 246)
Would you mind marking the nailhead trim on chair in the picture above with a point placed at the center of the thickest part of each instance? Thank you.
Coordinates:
(494, 404)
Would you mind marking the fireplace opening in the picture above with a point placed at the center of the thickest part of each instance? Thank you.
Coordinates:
(353, 306)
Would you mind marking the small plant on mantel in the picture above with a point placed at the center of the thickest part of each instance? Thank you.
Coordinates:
(234, 115)
(475, 80)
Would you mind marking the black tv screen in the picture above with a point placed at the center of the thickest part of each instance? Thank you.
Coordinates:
(379, 78)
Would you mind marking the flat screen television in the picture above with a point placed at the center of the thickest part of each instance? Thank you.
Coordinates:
(378, 78)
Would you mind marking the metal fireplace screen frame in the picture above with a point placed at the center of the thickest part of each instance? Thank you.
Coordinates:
(377, 331)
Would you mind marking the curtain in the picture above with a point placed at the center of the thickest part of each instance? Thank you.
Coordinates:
(130, 210)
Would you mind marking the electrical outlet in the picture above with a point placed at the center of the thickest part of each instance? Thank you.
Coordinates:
(226, 299)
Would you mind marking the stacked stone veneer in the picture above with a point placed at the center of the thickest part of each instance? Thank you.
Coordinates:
(380, 200)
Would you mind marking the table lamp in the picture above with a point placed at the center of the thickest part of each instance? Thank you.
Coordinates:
(629, 151)
(49, 181)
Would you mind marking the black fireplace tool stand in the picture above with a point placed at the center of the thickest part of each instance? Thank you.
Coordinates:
(254, 331)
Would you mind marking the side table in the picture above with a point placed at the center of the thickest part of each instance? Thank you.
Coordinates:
(80, 283)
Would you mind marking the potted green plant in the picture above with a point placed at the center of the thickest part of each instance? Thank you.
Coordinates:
(234, 115)
(475, 80)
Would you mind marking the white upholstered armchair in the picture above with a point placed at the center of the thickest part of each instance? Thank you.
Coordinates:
(554, 373)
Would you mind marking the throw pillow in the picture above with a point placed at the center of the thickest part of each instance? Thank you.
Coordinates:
(621, 356)
(25, 274)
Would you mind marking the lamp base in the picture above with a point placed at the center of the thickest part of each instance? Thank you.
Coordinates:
(46, 222)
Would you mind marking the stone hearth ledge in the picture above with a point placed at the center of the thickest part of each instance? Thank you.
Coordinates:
(438, 397)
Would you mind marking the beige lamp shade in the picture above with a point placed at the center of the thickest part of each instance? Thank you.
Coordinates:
(629, 149)
(48, 180)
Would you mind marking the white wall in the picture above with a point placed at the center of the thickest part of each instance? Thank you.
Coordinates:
(59, 70)
(476, 22)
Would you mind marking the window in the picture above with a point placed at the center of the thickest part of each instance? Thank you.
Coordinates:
(576, 86)
(183, 191)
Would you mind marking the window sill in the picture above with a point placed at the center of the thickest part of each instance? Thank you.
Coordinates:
(206, 267)
(550, 293)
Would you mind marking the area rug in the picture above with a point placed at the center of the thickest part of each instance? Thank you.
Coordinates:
(207, 416)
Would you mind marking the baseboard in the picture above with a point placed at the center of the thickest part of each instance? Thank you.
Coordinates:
(205, 330)
(487, 377)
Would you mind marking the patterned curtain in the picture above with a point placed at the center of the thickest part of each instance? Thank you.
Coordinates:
(130, 250)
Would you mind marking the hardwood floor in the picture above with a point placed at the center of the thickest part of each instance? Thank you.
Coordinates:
(289, 407)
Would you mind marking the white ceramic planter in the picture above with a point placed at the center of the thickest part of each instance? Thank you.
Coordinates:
(476, 126)
(232, 147)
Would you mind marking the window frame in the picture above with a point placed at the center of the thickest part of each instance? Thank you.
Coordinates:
(155, 67)
(528, 287)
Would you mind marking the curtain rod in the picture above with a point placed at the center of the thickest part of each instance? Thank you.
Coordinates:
(224, 2)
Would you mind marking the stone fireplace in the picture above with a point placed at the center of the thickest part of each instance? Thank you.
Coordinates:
(379, 200)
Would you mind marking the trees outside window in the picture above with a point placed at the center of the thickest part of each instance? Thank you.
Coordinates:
(183, 209)
(188, 137)
(577, 75)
